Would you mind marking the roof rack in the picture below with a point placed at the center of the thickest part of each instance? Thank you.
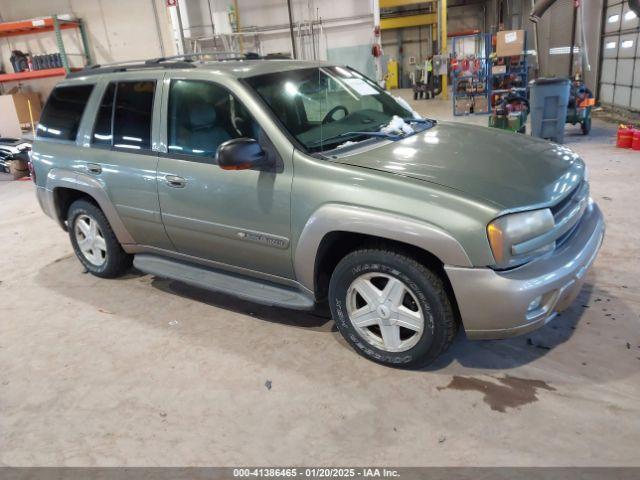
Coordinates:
(176, 61)
(124, 67)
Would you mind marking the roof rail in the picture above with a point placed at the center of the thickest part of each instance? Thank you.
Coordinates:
(176, 61)
(220, 56)
(125, 67)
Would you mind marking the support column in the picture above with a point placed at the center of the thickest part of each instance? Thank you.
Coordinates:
(442, 23)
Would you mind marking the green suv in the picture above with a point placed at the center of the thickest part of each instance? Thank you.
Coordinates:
(296, 184)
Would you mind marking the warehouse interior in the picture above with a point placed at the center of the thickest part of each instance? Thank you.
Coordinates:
(148, 371)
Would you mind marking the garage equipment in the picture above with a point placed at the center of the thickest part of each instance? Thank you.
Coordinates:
(549, 101)
(581, 101)
(510, 113)
(470, 68)
(14, 156)
(392, 78)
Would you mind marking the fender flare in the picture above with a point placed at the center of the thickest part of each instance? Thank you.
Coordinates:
(347, 218)
(60, 178)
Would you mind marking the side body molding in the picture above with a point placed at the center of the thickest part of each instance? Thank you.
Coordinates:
(61, 178)
(346, 218)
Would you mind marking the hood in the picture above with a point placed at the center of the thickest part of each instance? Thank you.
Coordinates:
(512, 171)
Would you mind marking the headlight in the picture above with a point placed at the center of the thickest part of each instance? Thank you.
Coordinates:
(518, 237)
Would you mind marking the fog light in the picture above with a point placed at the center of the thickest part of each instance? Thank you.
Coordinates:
(535, 304)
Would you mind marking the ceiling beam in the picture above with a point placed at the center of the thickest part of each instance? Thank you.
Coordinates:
(408, 21)
(401, 3)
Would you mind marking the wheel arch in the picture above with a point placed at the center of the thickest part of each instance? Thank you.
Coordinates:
(66, 187)
(335, 229)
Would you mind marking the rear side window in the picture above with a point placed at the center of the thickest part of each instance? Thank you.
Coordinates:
(132, 116)
(63, 112)
(102, 128)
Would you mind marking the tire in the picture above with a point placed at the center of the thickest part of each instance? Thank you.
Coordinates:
(108, 259)
(585, 126)
(424, 294)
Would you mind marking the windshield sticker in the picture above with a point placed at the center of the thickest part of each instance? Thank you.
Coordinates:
(360, 86)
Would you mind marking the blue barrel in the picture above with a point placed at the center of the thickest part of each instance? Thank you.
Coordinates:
(548, 104)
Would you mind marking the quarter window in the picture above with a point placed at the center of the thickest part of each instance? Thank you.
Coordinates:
(63, 112)
(202, 115)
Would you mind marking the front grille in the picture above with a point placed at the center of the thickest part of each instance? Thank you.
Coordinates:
(568, 211)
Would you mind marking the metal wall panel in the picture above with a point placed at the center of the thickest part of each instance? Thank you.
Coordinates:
(620, 72)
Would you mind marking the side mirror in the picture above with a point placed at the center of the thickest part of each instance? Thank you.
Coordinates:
(241, 154)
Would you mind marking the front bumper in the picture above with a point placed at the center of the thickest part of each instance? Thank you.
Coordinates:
(496, 304)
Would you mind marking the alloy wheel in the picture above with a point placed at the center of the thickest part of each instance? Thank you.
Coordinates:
(90, 240)
(385, 312)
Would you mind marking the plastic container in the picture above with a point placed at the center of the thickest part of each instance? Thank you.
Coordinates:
(625, 136)
(548, 104)
(635, 143)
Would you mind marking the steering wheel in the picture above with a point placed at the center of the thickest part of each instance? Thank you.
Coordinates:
(329, 116)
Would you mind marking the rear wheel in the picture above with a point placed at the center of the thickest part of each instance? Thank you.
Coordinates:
(390, 308)
(94, 242)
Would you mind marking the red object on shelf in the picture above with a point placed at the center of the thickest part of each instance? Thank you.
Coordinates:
(49, 72)
(625, 136)
(25, 27)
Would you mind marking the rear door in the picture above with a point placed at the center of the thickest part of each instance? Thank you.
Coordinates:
(123, 156)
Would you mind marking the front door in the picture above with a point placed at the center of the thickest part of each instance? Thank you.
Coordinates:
(237, 218)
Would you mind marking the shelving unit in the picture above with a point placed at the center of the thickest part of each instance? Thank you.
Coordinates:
(41, 25)
(518, 70)
(478, 97)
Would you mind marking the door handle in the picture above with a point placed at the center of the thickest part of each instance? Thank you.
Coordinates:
(175, 181)
(94, 168)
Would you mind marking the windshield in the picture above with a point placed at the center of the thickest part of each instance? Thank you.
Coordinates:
(327, 106)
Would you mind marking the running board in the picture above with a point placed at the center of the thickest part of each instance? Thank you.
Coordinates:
(265, 293)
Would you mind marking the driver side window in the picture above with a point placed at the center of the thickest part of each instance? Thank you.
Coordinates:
(202, 115)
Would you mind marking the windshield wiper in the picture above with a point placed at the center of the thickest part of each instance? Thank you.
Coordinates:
(423, 121)
(351, 134)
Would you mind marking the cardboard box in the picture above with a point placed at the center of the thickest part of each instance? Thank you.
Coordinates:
(18, 168)
(463, 105)
(480, 104)
(21, 101)
(510, 43)
(9, 124)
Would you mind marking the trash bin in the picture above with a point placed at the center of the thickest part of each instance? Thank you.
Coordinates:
(548, 104)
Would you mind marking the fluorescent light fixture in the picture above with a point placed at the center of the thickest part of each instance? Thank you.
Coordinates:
(630, 15)
(131, 139)
(563, 50)
(613, 18)
(627, 44)
(610, 45)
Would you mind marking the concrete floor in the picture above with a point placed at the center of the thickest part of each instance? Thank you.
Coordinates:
(141, 371)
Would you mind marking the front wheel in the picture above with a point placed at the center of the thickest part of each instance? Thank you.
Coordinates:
(94, 242)
(390, 308)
